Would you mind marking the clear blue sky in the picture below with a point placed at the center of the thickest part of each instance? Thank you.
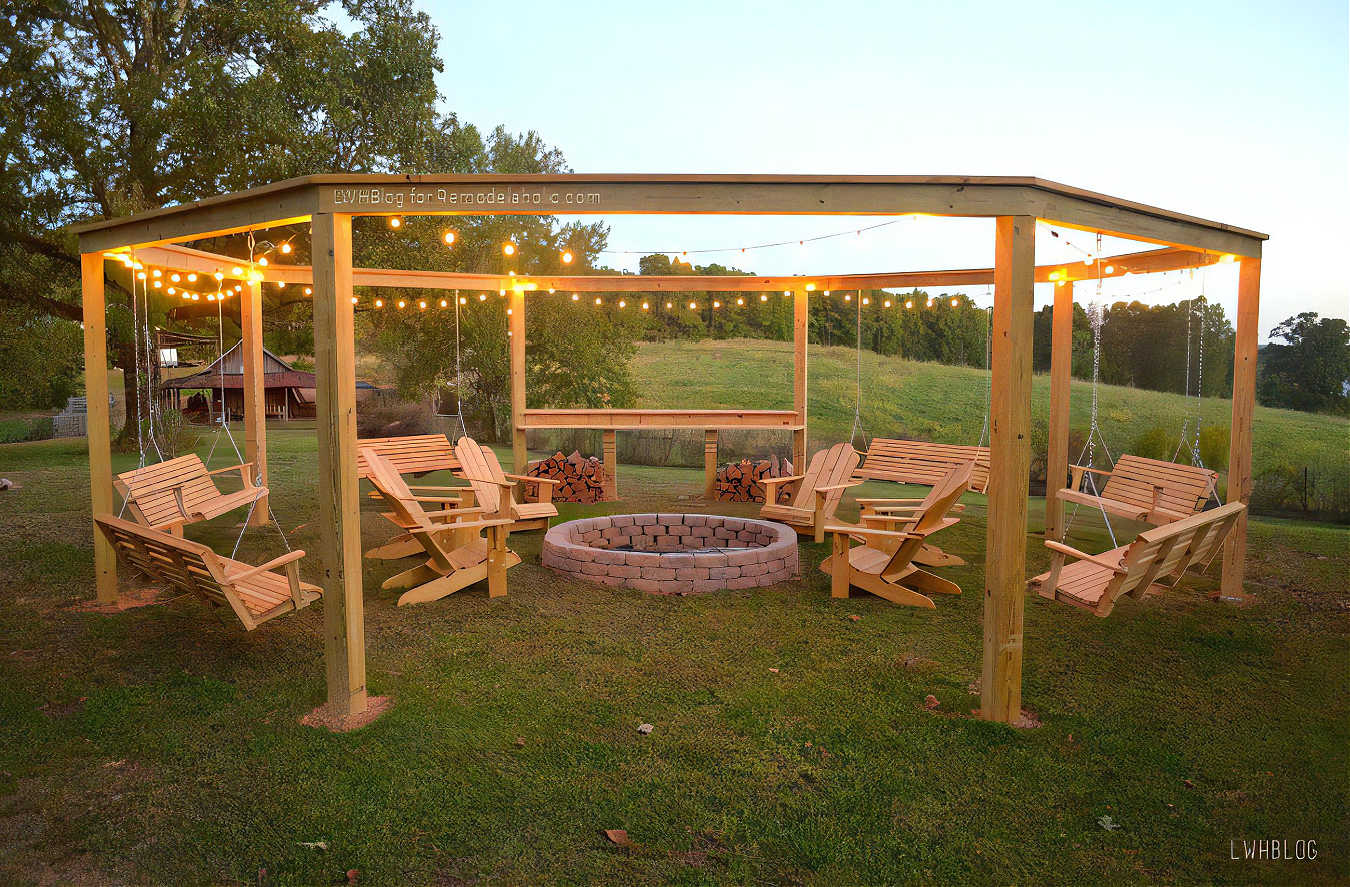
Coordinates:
(1232, 111)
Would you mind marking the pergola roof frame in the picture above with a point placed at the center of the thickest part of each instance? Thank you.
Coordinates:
(329, 202)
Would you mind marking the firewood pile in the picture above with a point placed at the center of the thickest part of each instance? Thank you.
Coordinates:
(582, 477)
(743, 481)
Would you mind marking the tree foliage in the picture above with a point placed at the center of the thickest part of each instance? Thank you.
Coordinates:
(1306, 366)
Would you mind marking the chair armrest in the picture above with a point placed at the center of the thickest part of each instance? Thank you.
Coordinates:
(525, 478)
(265, 568)
(862, 501)
(1070, 551)
(469, 525)
(454, 512)
(488, 480)
(846, 530)
(832, 487)
(782, 480)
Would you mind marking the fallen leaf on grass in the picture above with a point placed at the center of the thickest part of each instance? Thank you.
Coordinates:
(930, 702)
(853, 617)
(1108, 823)
(313, 845)
(352, 875)
(644, 729)
(618, 836)
(773, 671)
(520, 741)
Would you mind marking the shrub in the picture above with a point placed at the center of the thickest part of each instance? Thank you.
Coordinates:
(1156, 443)
(1214, 446)
(24, 430)
(393, 419)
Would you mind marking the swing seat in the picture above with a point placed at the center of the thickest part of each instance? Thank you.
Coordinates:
(1147, 490)
(818, 491)
(180, 491)
(253, 594)
(1157, 558)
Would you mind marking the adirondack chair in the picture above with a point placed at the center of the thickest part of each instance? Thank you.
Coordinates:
(413, 454)
(458, 555)
(922, 462)
(922, 514)
(494, 489)
(884, 564)
(1145, 489)
(818, 491)
(253, 594)
(1156, 558)
(170, 494)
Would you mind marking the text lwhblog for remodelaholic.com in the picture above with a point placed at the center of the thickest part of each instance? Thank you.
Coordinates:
(433, 199)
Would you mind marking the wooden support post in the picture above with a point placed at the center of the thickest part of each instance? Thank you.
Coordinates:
(96, 419)
(1009, 462)
(801, 327)
(1057, 450)
(255, 396)
(610, 445)
(838, 565)
(1240, 436)
(519, 455)
(339, 498)
(710, 464)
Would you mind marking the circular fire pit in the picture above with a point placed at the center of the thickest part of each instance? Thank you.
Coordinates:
(673, 553)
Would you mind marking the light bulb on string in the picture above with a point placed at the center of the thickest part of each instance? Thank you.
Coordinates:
(463, 300)
(379, 303)
(157, 272)
(763, 297)
(285, 248)
(670, 305)
(395, 222)
(717, 304)
(309, 290)
(449, 238)
(645, 306)
(623, 304)
(262, 260)
(886, 304)
(219, 276)
(401, 303)
(576, 297)
(909, 303)
(693, 306)
(482, 297)
(443, 303)
(567, 258)
(597, 300)
(422, 304)
(192, 278)
(175, 277)
(740, 301)
(866, 300)
(236, 271)
(354, 300)
(508, 249)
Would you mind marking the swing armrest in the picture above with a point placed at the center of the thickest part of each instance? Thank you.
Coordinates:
(1069, 551)
(1076, 473)
(245, 470)
(1119, 509)
(265, 568)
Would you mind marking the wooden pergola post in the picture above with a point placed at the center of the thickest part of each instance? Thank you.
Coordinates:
(801, 326)
(1244, 405)
(96, 418)
(1061, 379)
(519, 455)
(338, 502)
(1009, 462)
(255, 396)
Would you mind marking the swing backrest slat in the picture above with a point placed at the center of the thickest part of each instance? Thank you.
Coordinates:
(923, 462)
(413, 454)
(1180, 488)
(152, 491)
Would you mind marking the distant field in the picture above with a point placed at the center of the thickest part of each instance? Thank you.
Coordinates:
(943, 403)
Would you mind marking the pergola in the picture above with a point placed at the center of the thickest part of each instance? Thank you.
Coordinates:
(329, 202)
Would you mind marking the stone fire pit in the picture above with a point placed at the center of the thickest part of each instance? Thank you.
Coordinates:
(673, 553)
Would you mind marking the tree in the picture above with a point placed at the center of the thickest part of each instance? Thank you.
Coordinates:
(117, 107)
(1311, 369)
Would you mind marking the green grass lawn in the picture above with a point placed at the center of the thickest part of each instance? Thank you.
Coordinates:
(161, 745)
(943, 403)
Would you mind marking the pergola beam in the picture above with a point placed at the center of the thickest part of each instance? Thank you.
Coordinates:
(186, 259)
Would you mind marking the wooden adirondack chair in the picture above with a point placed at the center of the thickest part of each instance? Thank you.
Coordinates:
(494, 489)
(884, 564)
(1157, 557)
(253, 594)
(818, 491)
(927, 515)
(169, 494)
(458, 555)
(1145, 489)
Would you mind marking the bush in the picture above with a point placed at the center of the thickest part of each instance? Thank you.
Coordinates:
(24, 430)
(1214, 447)
(1156, 443)
(393, 420)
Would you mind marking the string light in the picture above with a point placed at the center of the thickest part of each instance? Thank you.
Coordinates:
(422, 304)
(886, 304)
(576, 297)
(763, 297)
(645, 306)
(171, 291)
(623, 304)
(140, 275)
(463, 300)
(192, 278)
(597, 300)
(909, 303)
(811, 288)
(827, 292)
(716, 304)
(379, 303)
(1110, 269)
(848, 297)
(693, 306)
(401, 303)
(309, 290)
(443, 303)
(236, 271)
(449, 238)
(395, 222)
(955, 301)
(157, 272)
(508, 249)
(285, 248)
(482, 297)
(567, 258)
(219, 276)
(669, 305)
(795, 242)
(175, 277)
(262, 260)
(866, 300)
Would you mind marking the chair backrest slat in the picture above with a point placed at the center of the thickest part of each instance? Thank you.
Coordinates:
(480, 466)
(396, 494)
(934, 508)
(826, 468)
(1170, 549)
(181, 563)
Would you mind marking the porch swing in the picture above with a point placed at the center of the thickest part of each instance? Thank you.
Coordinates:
(1151, 491)
(922, 462)
(162, 497)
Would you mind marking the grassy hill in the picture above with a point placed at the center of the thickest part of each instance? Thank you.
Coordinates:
(906, 398)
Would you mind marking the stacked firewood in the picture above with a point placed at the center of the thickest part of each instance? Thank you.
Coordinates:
(582, 477)
(743, 481)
